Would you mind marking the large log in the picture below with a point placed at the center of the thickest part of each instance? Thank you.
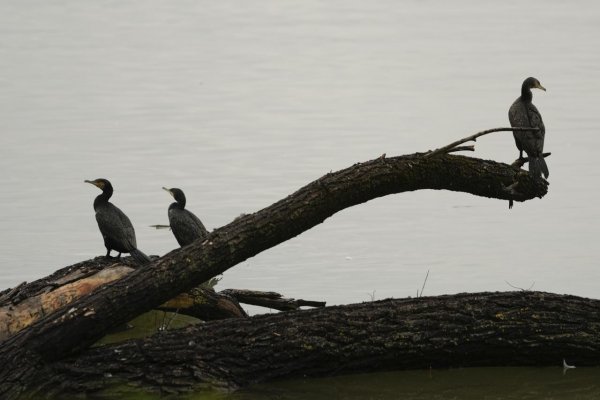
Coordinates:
(28, 302)
(463, 330)
(74, 328)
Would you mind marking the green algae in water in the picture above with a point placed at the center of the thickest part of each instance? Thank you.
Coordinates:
(147, 325)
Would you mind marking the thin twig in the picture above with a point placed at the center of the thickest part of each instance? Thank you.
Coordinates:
(372, 295)
(160, 226)
(516, 287)
(423, 288)
(164, 326)
(461, 148)
(443, 150)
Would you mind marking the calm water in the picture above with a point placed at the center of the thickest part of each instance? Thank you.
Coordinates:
(241, 103)
(463, 384)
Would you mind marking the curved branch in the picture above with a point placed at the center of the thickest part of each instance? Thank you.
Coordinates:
(76, 327)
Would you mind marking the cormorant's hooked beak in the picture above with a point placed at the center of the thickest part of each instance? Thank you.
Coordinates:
(168, 190)
(539, 86)
(96, 183)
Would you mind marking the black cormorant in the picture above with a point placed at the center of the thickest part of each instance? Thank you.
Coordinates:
(523, 113)
(114, 225)
(185, 225)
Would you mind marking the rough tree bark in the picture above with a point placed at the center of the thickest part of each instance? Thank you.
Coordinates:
(463, 330)
(72, 329)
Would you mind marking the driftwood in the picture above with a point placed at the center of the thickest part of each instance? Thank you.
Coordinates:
(463, 330)
(72, 329)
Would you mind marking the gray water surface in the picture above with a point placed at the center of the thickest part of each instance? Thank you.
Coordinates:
(241, 103)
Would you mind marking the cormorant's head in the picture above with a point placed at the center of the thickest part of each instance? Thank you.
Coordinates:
(532, 83)
(102, 184)
(177, 195)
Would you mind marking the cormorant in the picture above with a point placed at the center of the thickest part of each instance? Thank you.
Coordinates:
(185, 225)
(523, 113)
(114, 225)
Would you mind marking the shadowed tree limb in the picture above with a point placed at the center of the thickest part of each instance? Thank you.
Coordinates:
(270, 299)
(74, 328)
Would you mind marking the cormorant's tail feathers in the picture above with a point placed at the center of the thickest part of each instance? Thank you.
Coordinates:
(538, 166)
(544, 167)
(140, 257)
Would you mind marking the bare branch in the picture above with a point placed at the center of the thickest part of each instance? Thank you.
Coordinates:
(444, 150)
(269, 299)
(423, 288)
(461, 148)
(520, 288)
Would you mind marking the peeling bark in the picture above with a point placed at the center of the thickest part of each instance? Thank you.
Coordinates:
(28, 302)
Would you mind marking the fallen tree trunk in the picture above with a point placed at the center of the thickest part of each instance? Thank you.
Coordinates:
(463, 330)
(74, 328)
(28, 302)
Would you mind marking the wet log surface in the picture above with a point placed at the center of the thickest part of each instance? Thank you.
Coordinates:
(74, 328)
(463, 330)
